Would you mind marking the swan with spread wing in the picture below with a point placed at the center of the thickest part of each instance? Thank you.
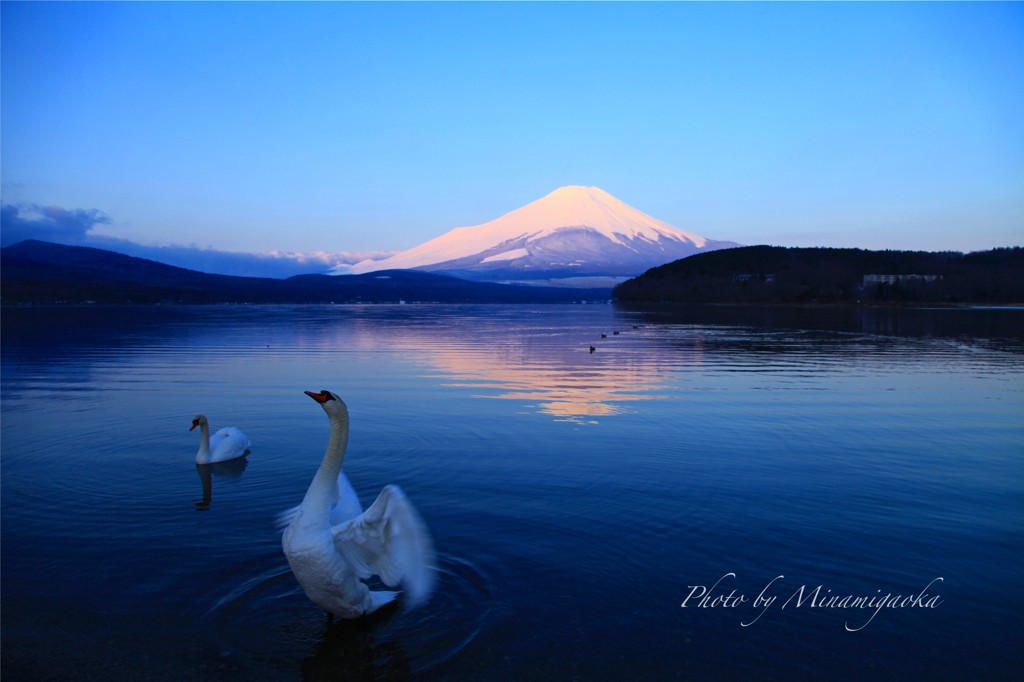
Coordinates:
(332, 545)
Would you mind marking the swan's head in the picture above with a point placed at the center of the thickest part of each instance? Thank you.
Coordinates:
(198, 421)
(332, 404)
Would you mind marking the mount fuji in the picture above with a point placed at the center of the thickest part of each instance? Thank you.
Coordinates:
(574, 234)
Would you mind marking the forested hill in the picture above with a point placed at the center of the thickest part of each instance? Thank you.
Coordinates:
(773, 274)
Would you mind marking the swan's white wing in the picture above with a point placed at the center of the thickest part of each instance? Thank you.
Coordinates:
(390, 540)
(228, 441)
(285, 518)
(347, 506)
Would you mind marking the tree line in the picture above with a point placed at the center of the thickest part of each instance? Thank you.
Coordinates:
(774, 274)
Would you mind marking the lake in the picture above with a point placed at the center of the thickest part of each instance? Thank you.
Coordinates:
(711, 494)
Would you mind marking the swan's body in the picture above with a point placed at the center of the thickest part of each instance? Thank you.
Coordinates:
(227, 443)
(332, 544)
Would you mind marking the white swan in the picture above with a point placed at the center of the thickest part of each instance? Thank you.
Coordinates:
(227, 443)
(331, 543)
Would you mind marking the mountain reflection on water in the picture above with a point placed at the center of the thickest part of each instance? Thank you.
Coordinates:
(547, 369)
(550, 367)
(547, 365)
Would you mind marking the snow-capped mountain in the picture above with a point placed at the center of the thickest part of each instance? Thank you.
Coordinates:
(572, 232)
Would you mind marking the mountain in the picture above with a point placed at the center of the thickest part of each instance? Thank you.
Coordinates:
(776, 274)
(572, 232)
(41, 272)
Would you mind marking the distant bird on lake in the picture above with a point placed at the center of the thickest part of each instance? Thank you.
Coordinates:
(592, 349)
(615, 333)
(332, 544)
(604, 336)
(227, 443)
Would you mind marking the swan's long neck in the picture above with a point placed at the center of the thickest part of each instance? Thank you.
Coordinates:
(323, 491)
(204, 440)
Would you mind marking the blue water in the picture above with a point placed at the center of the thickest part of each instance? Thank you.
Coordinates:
(576, 498)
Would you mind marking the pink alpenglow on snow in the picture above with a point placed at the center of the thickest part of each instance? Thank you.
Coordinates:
(572, 232)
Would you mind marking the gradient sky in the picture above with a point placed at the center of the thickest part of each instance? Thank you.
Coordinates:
(355, 127)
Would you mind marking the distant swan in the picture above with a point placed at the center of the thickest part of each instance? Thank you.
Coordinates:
(227, 443)
(331, 543)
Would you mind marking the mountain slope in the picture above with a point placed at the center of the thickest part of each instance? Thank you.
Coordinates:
(41, 272)
(571, 232)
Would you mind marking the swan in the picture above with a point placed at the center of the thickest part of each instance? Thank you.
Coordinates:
(227, 443)
(332, 545)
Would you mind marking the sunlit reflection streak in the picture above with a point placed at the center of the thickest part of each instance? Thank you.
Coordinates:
(546, 365)
(562, 382)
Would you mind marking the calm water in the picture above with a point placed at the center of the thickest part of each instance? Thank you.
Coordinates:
(575, 498)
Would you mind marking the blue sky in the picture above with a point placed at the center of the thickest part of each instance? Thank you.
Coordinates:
(355, 127)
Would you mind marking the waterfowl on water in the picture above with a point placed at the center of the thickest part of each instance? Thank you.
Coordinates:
(332, 545)
(227, 443)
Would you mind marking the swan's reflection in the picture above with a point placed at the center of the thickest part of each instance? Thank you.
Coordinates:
(349, 650)
(231, 469)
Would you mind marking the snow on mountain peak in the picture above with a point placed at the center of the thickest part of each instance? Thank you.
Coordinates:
(576, 206)
(565, 216)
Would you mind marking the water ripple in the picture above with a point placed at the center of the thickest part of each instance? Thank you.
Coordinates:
(387, 645)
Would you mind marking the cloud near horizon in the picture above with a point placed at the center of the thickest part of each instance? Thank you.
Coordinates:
(74, 227)
(48, 223)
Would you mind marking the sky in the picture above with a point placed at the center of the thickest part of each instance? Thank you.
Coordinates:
(305, 133)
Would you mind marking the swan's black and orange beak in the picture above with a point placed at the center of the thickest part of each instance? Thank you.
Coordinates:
(195, 423)
(321, 397)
